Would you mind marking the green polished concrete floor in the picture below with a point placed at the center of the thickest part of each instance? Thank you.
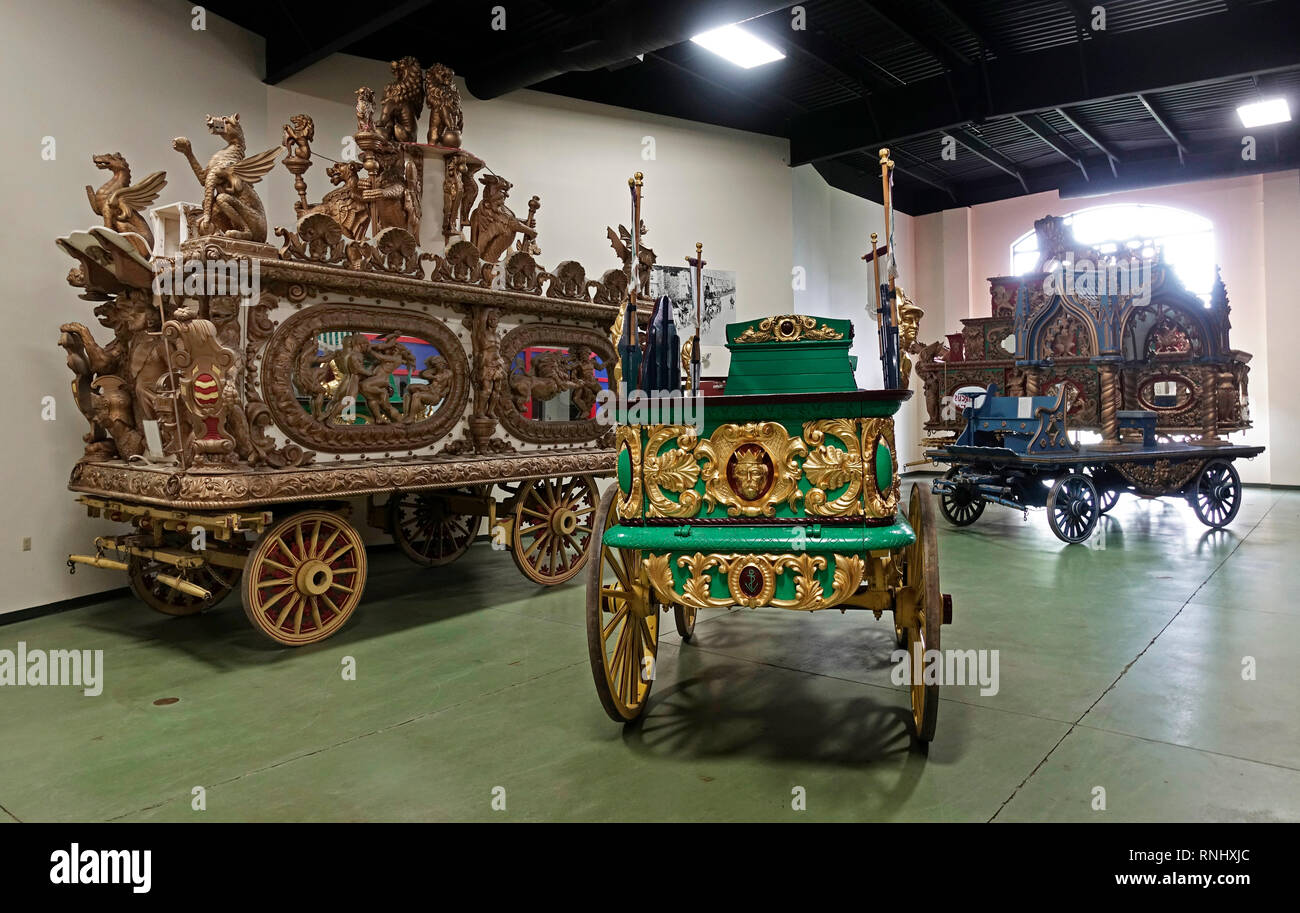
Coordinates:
(1119, 668)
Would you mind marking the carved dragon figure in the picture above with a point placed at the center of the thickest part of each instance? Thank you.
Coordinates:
(120, 202)
(231, 206)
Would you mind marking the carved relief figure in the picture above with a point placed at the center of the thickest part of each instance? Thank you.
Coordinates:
(493, 226)
(490, 374)
(621, 241)
(582, 374)
(750, 472)
(298, 135)
(365, 110)
(548, 377)
(344, 204)
(394, 194)
(468, 189)
(403, 101)
(230, 206)
(119, 202)
(388, 354)
(422, 399)
(446, 122)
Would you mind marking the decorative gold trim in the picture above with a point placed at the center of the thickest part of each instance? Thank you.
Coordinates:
(809, 593)
(629, 436)
(674, 470)
(828, 468)
(879, 503)
(1162, 477)
(212, 491)
(779, 447)
(789, 328)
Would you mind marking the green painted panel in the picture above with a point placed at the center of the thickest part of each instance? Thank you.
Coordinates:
(847, 540)
(624, 470)
(884, 466)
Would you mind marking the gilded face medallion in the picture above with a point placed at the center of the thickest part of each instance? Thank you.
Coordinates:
(749, 472)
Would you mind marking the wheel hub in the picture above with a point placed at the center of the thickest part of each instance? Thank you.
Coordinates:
(564, 521)
(314, 577)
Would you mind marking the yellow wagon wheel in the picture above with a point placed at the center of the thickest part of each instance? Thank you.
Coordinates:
(921, 587)
(622, 623)
(552, 527)
(142, 574)
(427, 532)
(304, 578)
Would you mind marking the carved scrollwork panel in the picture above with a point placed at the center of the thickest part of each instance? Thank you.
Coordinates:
(674, 470)
(752, 579)
(881, 494)
(360, 371)
(629, 439)
(554, 373)
(751, 468)
(829, 468)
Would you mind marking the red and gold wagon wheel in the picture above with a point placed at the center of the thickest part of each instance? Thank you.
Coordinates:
(427, 531)
(304, 578)
(552, 527)
(143, 574)
(622, 623)
(923, 618)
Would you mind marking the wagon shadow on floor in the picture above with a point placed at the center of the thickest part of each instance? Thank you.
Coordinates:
(399, 597)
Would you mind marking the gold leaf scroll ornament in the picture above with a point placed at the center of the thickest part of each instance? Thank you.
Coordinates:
(788, 328)
(775, 444)
(808, 591)
(673, 470)
(829, 468)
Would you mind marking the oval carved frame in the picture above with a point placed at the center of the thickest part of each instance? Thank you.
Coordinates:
(290, 417)
(549, 334)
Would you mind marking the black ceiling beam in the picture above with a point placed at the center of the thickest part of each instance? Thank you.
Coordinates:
(1040, 128)
(1090, 134)
(1209, 49)
(1160, 118)
(989, 154)
(975, 29)
(827, 50)
(937, 184)
(284, 58)
(896, 17)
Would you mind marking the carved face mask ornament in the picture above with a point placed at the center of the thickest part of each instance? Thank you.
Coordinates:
(750, 473)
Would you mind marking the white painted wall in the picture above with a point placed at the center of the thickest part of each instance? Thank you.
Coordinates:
(1257, 227)
(132, 75)
(832, 230)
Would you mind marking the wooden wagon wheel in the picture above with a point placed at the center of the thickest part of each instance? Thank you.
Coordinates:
(426, 531)
(684, 616)
(304, 577)
(552, 527)
(1216, 498)
(1072, 508)
(142, 574)
(622, 623)
(921, 586)
(962, 506)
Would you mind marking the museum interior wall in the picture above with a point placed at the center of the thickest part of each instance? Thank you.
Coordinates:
(1256, 226)
(730, 190)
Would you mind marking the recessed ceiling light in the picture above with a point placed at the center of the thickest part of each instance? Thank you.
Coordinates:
(1263, 113)
(738, 46)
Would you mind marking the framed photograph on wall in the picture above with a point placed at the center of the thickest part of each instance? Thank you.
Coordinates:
(719, 306)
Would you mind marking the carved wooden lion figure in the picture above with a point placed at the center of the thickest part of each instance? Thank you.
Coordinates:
(403, 101)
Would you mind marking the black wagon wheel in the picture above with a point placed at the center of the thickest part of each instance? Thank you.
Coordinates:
(962, 505)
(427, 531)
(1217, 495)
(1106, 497)
(1072, 508)
(143, 577)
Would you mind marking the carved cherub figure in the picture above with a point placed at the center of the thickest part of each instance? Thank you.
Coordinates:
(120, 202)
(446, 120)
(493, 226)
(231, 206)
(403, 101)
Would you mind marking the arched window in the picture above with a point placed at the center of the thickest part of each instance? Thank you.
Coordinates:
(1138, 230)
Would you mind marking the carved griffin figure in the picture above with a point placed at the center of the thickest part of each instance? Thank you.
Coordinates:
(231, 206)
(120, 202)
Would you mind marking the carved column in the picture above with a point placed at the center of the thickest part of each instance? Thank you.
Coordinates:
(1109, 406)
(1033, 381)
(1210, 411)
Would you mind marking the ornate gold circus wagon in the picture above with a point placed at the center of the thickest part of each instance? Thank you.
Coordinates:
(783, 492)
(400, 343)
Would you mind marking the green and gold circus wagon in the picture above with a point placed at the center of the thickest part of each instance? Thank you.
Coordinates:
(784, 492)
